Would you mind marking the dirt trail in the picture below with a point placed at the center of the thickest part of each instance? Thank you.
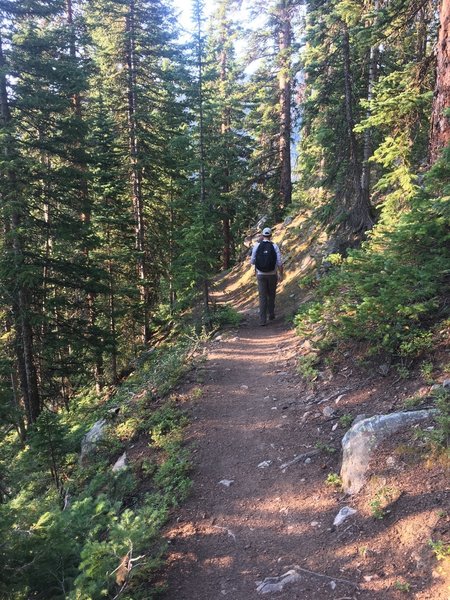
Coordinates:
(254, 415)
(245, 427)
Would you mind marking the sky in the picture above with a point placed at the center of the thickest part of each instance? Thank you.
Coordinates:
(184, 7)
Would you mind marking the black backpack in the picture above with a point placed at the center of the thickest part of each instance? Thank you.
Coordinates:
(265, 257)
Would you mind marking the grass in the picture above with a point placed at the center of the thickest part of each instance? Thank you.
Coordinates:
(334, 480)
(440, 549)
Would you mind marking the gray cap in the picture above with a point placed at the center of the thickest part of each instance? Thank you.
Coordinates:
(267, 231)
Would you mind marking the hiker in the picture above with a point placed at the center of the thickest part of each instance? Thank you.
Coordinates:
(266, 257)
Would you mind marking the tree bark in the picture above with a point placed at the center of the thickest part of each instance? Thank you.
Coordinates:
(359, 218)
(285, 42)
(203, 199)
(135, 170)
(440, 127)
(20, 296)
(367, 148)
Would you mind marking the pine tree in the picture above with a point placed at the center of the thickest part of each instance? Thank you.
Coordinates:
(440, 128)
(135, 64)
(271, 91)
(47, 135)
(228, 145)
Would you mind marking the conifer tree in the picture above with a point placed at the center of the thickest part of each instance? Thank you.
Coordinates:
(354, 52)
(133, 61)
(271, 93)
(440, 127)
(228, 145)
(52, 262)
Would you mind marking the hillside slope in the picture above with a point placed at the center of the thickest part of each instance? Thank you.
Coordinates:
(254, 514)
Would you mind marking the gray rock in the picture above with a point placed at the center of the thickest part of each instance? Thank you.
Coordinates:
(91, 439)
(121, 463)
(271, 585)
(361, 440)
(287, 221)
(226, 482)
(358, 419)
(328, 411)
(264, 464)
(343, 515)
(446, 384)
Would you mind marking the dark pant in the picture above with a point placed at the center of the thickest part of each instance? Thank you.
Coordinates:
(267, 287)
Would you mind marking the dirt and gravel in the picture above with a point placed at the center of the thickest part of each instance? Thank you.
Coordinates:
(252, 515)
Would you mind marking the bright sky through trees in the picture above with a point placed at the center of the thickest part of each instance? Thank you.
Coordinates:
(184, 10)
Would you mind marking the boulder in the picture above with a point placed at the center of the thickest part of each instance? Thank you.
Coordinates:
(120, 464)
(91, 439)
(362, 439)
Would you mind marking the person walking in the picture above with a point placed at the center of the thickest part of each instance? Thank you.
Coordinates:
(268, 263)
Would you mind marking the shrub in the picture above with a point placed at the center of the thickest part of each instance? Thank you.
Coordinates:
(224, 315)
(389, 291)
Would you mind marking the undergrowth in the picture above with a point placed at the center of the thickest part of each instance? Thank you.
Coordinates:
(83, 531)
(390, 292)
(387, 292)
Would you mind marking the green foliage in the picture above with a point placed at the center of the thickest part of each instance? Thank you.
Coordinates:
(440, 548)
(346, 420)
(442, 434)
(69, 541)
(48, 444)
(378, 504)
(403, 371)
(325, 448)
(334, 480)
(387, 291)
(426, 371)
(402, 586)
(307, 367)
(225, 315)
(165, 426)
(412, 402)
(376, 510)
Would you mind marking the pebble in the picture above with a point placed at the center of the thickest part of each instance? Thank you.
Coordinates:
(264, 464)
(226, 482)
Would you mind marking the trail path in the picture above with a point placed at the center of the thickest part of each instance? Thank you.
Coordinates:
(246, 425)
(254, 416)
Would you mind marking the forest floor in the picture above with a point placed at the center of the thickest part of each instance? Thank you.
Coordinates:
(252, 515)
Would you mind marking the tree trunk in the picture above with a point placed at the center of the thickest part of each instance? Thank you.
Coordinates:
(226, 242)
(422, 32)
(135, 170)
(284, 76)
(440, 127)
(203, 199)
(225, 128)
(367, 148)
(359, 219)
(19, 293)
(85, 202)
(112, 318)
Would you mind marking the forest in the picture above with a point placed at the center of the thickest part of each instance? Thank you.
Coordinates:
(135, 158)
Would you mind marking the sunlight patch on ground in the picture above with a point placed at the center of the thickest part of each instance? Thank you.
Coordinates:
(220, 562)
